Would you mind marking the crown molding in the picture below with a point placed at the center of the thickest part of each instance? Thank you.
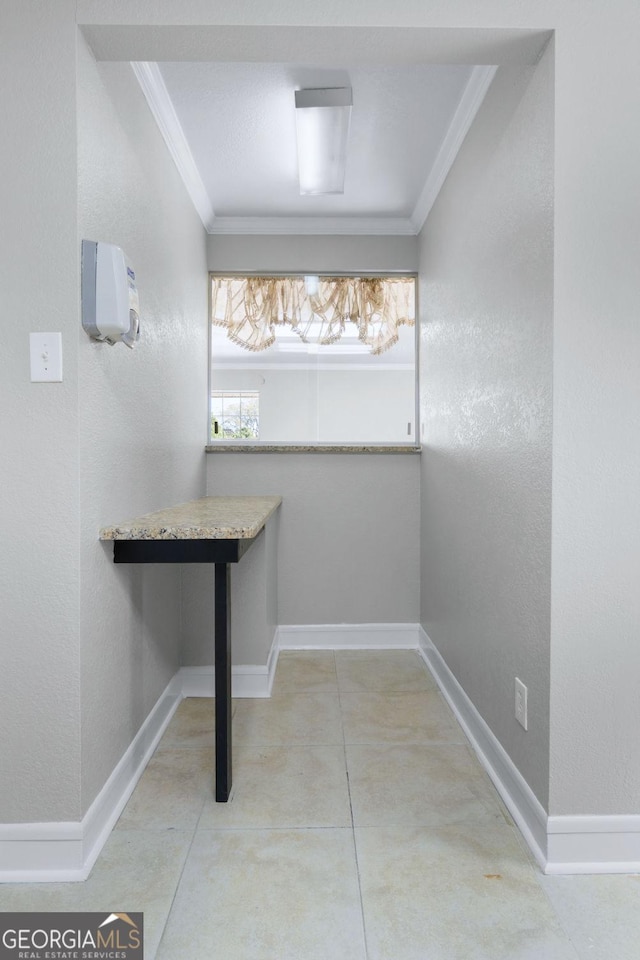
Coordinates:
(347, 226)
(157, 96)
(470, 102)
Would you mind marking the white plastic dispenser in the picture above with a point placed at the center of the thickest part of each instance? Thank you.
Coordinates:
(110, 308)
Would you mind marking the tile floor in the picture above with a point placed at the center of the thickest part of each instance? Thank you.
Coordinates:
(361, 827)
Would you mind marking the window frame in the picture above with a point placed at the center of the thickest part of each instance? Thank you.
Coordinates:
(414, 443)
(240, 395)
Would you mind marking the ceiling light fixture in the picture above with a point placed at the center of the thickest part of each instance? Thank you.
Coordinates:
(322, 127)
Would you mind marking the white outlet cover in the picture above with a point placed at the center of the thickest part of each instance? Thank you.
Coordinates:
(45, 352)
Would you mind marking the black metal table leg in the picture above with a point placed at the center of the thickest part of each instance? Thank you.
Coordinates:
(222, 631)
(222, 553)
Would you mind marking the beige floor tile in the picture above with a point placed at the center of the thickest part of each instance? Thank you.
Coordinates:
(398, 718)
(138, 871)
(192, 725)
(382, 671)
(302, 671)
(462, 892)
(289, 718)
(601, 914)
(267, 895)
(418, 784)
(272, 875)
(171, 791)
(284, 786)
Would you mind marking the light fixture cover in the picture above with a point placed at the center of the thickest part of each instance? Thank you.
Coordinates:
(322, 127)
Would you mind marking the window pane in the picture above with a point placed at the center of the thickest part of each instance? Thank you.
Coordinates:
(234, 415)
(310, 392)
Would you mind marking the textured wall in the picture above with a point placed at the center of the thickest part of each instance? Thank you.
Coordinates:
(348, 538)
(39, 569)
(307, 253)
(142, 412)
(595, 648)
(486, 295)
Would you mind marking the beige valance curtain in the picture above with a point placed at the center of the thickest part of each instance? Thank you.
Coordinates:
(318, 309)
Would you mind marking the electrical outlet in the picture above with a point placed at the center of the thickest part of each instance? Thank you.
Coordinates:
(521, 704)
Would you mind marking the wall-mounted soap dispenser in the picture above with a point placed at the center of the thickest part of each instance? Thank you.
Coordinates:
(110, 310)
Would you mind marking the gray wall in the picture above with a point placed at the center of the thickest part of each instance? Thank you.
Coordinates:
(39, 270)
(302, 253)
(87, 646)
(141, 411)
(595, 600)
(348, 540)
(486, 294)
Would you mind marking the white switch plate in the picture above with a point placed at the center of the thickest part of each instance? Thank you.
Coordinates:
(521, 703)
(46, 357)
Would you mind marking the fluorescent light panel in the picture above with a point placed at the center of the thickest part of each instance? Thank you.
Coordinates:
(322, 127)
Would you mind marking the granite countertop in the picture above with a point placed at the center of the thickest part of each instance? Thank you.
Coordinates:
(211, 518)
(267, 447)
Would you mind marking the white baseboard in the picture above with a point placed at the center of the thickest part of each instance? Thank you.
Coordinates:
(561, 845)
(247, 682)
(64, 852)
(584, 844)
(349, 636)
(521, 802)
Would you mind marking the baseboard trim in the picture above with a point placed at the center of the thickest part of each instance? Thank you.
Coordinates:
(560, 844)
(349, 636)
(525, 808)
(588, 844)
(66, 851)
(247, 682)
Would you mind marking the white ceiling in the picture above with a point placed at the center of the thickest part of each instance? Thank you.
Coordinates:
(231, 130)
(239, 121)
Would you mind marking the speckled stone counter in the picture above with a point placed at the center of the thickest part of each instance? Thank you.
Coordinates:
(210, 518)
(312, 448)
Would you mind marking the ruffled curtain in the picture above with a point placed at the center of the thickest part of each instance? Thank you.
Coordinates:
(318, 310)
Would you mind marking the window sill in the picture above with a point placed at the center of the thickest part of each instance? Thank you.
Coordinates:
(312, 448)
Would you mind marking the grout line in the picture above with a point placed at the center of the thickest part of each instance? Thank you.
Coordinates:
(179, 880)
(353, 831)
(565, 927)
(290, 828)
(364, 922)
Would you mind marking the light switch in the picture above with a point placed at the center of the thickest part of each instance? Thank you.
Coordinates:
(46, 357)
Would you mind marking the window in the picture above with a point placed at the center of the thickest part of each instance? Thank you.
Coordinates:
(235, 416)
(331, 358)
